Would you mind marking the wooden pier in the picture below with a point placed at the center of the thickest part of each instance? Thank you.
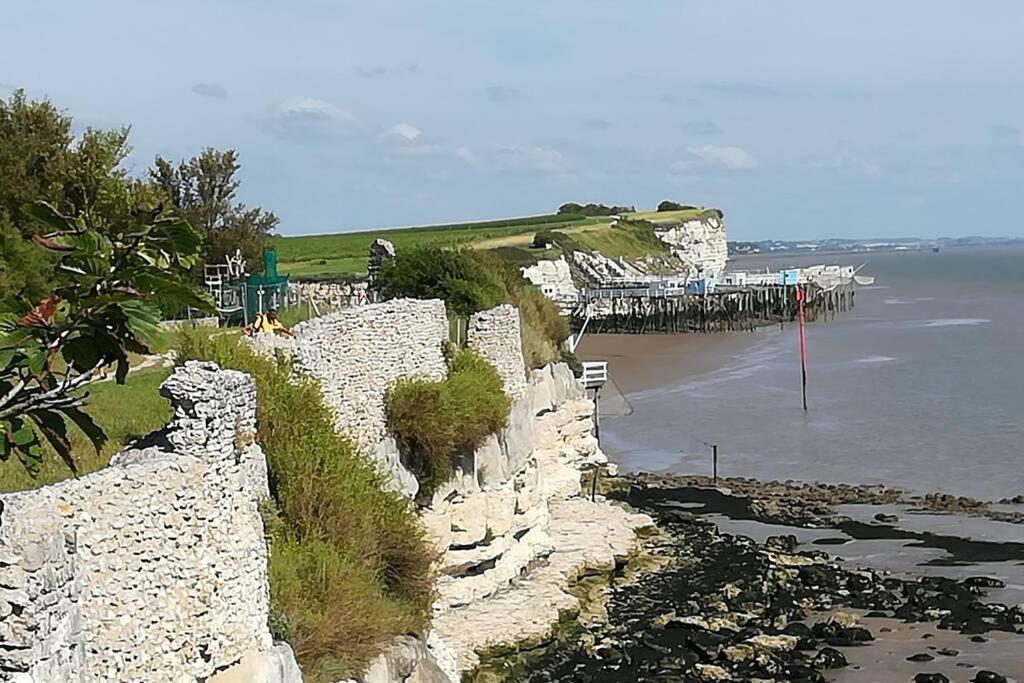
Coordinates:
(641, 310)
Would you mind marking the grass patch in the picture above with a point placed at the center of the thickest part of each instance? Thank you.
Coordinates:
(348, 267)
(350, 564)
(354, 246)
(434, 422)
(125, 412)
(629, 239)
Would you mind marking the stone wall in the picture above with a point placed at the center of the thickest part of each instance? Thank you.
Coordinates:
(495, 334)
(154, 568)
(357, 354)
(329, 296)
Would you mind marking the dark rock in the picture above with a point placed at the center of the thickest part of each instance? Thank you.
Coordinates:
(949, 652)
(983, 582)
(829, 658)
(887, 519)
(930, 678)
(922, 657)
(979, 639)
(786, 543)
(988, 677)
(847, 637)
(798, 629)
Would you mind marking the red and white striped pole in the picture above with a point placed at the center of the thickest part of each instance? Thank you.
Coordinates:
(800, 297)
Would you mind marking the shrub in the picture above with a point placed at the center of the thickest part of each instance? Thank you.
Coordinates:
(471, 281)
(543, 239)
(350, 565)
(594, 209)
(669, 205)
(455, 276)
(435, 422)
(573, 361)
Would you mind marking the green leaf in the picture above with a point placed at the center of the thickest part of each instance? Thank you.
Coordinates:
(85, 423)
(176, 236)
(15, 338)
(53, 427)
(171, 290)
(36, 358)
(143, 320)
(88, 242)
(45, 213)
(6, 356)
(81, 353)
(23, 436)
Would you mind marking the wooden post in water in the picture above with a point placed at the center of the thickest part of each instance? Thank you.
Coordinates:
(714, 463)
(597, 435)
(800, 296)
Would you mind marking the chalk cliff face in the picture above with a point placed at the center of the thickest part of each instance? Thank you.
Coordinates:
(512, 514)
(700, 242)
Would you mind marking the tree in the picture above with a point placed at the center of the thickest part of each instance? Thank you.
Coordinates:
(41, 159)
(105, 304)
(203, 190)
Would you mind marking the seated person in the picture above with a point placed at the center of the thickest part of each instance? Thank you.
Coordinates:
(268, 322)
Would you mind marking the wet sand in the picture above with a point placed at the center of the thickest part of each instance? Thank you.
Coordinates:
(640, 362)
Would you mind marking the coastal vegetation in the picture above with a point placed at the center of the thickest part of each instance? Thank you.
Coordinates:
(350, 565)
(435, 422)
(203, 190)
(345, 253)
(342, 256)
(592, 209)
(104, 302)
(469, 281)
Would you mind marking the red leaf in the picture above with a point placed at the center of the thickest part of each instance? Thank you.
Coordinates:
(42, 315)
(48, 243)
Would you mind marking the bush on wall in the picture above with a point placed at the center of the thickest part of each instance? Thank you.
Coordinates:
(435, 422)
(350, 564)
(470, 281)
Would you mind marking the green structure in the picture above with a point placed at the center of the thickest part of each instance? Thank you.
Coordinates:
(266, 291)
(240, 297)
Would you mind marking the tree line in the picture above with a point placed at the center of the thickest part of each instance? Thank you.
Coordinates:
(91, 257)
(42, 159)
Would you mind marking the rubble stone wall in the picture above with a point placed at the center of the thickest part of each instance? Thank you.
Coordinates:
(356, 354)
(154, 568)
(496, 335)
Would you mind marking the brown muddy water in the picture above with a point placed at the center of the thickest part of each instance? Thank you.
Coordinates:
(920, 387)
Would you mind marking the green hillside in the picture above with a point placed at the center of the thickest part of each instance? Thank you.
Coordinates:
(341, 255)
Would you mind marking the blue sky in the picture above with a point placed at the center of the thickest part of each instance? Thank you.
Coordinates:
(799, 118)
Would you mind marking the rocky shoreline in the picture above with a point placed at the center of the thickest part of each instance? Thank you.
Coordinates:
(722, 607)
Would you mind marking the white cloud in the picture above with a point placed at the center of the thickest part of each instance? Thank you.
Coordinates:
(536, 158)
(403, 131)
(310, 118)
(725, 156)
(210, 90)
(468, 156)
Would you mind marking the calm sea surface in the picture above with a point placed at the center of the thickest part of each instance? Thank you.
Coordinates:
(921, 386)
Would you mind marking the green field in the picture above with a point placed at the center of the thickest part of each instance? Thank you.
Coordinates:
(125, 412)
(344, 255)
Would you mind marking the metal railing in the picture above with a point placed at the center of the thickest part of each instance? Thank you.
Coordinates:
(595, 374)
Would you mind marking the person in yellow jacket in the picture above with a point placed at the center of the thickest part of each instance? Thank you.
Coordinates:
(268, 322)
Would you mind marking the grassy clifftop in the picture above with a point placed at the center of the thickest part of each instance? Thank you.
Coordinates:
(345, 254)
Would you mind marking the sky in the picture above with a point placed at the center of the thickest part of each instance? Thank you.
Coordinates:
(798, 118)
